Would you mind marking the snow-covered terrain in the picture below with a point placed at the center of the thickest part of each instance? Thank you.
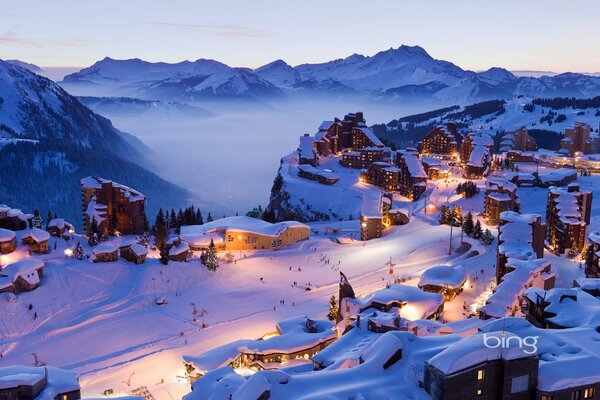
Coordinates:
(101, 319)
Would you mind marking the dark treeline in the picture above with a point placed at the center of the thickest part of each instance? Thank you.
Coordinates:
(564, 102)
(46, 176)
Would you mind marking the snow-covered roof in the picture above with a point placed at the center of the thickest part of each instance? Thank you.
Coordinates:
(588, 283)
(471, 351)
(570, 307)
(316, 171)
(444, 276)
(415, 167)
(95, 210)
(182, 248)
(138, 249)
(59, 380)
(14, 212)
(325, 125)
(59, 223)
(557, 175)
(371, 205)
(293, 335)
(568, 358)
(500, 183)
(37, 234)
(513, 285)
(6, 235)
(420, 304)
(94, 182)
(26, 269)
(478, 156)
(104, 248)
(369, 134)
(194, 234)
(594, 236)
(306, 148)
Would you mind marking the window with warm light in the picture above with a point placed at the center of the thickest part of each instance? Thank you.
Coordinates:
(480, 375)
(479, 392)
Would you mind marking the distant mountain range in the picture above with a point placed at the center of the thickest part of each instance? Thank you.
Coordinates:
(66, 141)
(111, 106)
(404, 73)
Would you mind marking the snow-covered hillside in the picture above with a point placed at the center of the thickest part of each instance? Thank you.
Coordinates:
(549, 117)
(406, 72)
(50, 140)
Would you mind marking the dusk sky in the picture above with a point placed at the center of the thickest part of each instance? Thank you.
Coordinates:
(518, 35)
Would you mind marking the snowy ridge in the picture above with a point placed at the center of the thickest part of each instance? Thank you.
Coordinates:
(406, 72)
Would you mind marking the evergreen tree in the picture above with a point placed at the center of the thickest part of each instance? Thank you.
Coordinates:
(573, 251)
(94, 233)
(269, 215)
(477, 230)
(333, 308)
(48, 219)
(199, 217)
(180, 218)
(160, 218)
(37, 219)
(209, 218)
(173, 220)
(211, 260)
(468, 224)
(443, 214)
(161, 239)
(487, 237)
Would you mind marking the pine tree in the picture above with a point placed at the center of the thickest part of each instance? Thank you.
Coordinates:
(160, 218)
(487, 237)
(573, 251)
(209, 218)
(477, 230)
(211, 260)
(94, 233)
(161, 239)
(48, 219)
(333, 308)
(269, 215)
(173, 220)
(443, 214)
(468, 224)
(199, 218)
(37, 219)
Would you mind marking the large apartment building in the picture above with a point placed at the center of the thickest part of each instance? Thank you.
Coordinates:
(476, 154)
(500, 196)
(412, 181)
(592, 258)
(518, 140)
(567, 217)
(116, 207)
(442, 142)
(577, 139)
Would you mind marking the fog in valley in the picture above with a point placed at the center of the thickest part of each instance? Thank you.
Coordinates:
(228, 161)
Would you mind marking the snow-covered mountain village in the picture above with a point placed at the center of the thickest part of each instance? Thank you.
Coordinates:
(380, 226)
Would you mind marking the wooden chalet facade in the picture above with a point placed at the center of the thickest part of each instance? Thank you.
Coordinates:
(116, 208)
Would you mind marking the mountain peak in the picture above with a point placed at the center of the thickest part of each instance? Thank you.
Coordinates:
(26, 65)
(497, 74)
